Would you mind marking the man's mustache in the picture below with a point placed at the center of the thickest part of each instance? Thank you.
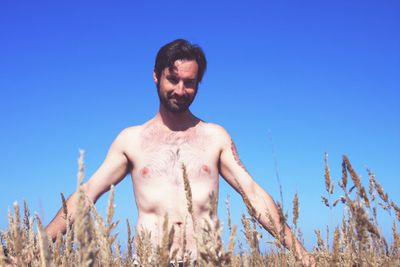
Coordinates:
(178, 97)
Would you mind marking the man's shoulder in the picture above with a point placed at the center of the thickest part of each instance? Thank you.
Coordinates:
(216, 130)
(211, 126)
(129, 134)
(131, 130)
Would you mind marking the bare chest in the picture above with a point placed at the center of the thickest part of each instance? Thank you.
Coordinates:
(157, 161)
(162, 155)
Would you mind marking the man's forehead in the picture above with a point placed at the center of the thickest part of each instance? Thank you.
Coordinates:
(182, 65)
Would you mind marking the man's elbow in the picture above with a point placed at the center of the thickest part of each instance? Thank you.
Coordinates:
(92, 193)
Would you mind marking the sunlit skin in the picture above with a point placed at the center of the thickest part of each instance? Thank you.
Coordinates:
(153, 153)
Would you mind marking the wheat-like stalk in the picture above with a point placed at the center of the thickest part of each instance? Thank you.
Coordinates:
(378, 187)
(356, 180)
(296, 209)
(188, 191)
(328, 184)
(165, 247)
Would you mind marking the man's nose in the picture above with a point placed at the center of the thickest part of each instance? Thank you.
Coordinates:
(180, 89)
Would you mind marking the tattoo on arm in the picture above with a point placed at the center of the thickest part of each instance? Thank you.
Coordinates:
(236, 156)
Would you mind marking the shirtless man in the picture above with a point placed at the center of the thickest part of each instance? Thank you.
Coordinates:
(153, 153)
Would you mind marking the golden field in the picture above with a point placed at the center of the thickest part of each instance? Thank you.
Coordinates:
(90, 240)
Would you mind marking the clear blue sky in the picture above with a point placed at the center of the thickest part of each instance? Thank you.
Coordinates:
(315, 76)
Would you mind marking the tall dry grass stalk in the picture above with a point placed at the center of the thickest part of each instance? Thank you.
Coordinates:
(356, 180)
(329, 186)
(129, 250)
(296, 209)
(43, 245)
(188, 191)
(92, 241)
(164, 249)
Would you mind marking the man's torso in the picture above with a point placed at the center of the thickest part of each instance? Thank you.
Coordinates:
(157, 157)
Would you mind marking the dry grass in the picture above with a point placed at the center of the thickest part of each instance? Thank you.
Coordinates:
(90, 241)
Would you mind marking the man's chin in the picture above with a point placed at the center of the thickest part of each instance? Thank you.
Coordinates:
(178, 110)
(174, 108)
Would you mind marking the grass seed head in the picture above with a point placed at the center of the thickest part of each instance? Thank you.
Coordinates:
(296, 209)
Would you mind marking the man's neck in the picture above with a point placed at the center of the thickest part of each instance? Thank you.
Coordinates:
(176, 121)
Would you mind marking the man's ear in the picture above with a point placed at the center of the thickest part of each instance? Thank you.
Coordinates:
(155, 77)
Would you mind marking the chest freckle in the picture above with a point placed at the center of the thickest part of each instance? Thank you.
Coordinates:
(144, 171)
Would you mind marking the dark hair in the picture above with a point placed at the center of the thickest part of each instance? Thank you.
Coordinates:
(178, 50)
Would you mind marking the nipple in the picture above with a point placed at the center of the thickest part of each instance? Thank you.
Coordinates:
(206, 169)
(145, 171)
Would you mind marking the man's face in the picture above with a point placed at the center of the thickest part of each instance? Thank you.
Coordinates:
(177, 87)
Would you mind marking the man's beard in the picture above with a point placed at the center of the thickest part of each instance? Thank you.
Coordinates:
(175, 103)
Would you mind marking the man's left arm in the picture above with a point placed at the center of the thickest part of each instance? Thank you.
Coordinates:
(235, 173)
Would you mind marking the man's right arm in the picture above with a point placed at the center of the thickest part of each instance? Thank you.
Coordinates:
(114, 168)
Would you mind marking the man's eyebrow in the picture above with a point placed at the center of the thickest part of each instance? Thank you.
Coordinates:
(173, 69)
(173, 75)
